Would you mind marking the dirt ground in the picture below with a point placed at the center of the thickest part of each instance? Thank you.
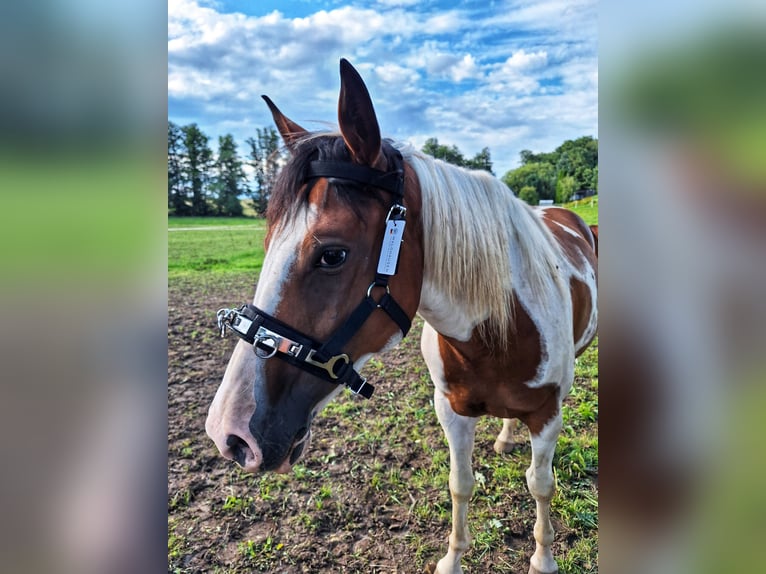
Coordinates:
(370, 494)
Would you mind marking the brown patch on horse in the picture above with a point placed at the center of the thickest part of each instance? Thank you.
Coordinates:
(573, 235)
(594, 231)
(482, 382)
(582, 309)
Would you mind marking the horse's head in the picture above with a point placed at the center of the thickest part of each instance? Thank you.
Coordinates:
(322, 307)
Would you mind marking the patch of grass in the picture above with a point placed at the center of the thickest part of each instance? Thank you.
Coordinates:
(180, 222)
(176, 541)
(586, 208)
(581, 558)
(238, 504)
(231, 249)
(586, 365)
(261, 555)
(181, 499)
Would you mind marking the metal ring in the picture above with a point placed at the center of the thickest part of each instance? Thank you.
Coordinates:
(373, 284)
(261, 340)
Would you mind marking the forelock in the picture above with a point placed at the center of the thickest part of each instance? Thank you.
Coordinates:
(290, 191)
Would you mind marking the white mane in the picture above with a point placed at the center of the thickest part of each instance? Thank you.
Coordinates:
(472, 224)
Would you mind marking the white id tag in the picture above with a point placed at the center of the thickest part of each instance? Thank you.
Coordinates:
(389, 252)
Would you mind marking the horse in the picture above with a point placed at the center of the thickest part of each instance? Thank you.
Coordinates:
(365, 232)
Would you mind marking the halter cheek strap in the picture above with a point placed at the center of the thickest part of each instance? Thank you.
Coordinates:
(271, 337)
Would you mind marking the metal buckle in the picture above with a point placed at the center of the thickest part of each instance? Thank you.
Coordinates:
(400, 210)
(362, 385)
(328, 366)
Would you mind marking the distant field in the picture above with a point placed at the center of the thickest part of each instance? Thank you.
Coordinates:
(174, 222)
(586, 208)
(214, 245)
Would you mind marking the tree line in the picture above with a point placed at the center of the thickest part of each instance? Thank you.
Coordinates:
(200, 183)
(556, 175)
(203, 183)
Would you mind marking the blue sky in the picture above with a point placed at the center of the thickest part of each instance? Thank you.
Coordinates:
(505, 74)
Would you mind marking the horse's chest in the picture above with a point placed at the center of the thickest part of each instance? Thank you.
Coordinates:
(478, 381)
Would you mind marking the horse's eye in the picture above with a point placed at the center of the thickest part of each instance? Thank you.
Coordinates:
(332, 258)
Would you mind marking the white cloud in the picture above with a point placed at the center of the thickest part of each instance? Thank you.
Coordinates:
(465, 69)
(519, 74)
(395, 74)
(522, 60)
(446, 22)
(461, 76)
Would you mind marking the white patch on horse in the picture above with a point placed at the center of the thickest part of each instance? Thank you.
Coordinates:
(238, 395)
(542, 486)
(429, 346)
(555, 333)
(279, 260)
(569, 230)
(451, 321)
(233, 406)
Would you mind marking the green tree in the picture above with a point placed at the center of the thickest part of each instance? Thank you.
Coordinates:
(558, 174)
(229, 177)
(540, 176)
(451, 154)
(177, 203)
(528, 156)
(265, 158)
(578, 158)
(481, 160)
(529, 194)
(565, 187)
(195, 168)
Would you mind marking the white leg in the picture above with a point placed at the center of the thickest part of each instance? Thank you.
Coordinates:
(504, 442)
(459, 431)
(542, 485)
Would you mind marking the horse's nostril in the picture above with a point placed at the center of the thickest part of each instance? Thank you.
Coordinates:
(238, 448)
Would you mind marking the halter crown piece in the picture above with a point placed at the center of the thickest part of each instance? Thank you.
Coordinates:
(271, 337)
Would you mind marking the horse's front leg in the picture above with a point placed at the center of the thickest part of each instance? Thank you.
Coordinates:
(459, 431)
(542, 486)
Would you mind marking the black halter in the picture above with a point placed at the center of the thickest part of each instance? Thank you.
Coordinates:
(270, 337)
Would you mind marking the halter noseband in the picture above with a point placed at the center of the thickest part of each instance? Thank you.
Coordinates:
(271, 337)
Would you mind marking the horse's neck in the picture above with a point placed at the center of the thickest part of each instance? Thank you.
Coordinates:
(445, 316)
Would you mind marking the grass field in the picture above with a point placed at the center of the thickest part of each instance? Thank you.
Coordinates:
(186, 222)
(371, 494)
(586, 208)
(214, 244)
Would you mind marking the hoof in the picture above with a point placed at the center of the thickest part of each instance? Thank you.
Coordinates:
(429, 568)
(533, 570)
(502, 447)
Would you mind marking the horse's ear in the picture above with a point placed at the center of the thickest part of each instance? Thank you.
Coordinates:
(290, 131)
(356, 117)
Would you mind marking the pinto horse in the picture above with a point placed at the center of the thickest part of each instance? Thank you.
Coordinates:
(364, 233)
